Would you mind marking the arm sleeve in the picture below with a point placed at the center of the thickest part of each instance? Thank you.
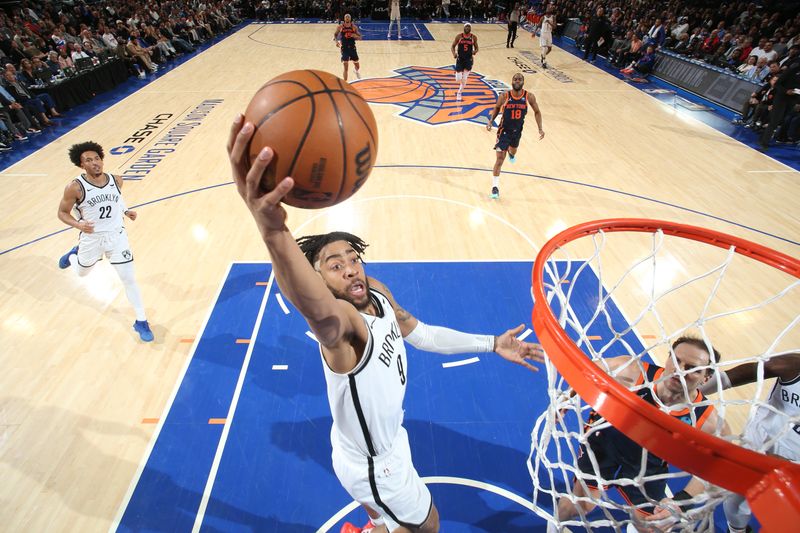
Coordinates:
(448, 341)
(712, 386)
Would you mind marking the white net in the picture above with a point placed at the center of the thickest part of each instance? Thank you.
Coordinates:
(632, 295)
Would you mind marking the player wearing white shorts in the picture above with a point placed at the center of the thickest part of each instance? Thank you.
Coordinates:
(97, 196)
(775, 429)
(394, 18)
(546, 34)
(361, 331)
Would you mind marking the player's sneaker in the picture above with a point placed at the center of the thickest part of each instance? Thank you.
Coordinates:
(512, 158)
(143, 329)
(495, 193)
(64, 261)
(350, 528)
(358, 75)
(388, 35)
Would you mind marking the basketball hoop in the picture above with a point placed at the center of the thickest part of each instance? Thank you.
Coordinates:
(771, 484)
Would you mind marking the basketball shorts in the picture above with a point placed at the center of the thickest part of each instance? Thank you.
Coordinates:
(349, 54)
(507, 138)
(111, 244)
(612, 467)
(395, 14)
(388, 484)
(546, 39)
(463, 64)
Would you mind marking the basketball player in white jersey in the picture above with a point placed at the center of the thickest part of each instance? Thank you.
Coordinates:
(361, 331)
(774, 430)
(546, 34)
(394, 18)
(97, 196)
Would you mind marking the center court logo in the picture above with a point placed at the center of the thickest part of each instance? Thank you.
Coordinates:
(428, 95)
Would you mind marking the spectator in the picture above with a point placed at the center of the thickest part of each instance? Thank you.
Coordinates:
(64, 60)
(746, 69)
(36, 105)
(645, 64)
(656, 34)
(53, 64)
(597, 28)
(78, 53)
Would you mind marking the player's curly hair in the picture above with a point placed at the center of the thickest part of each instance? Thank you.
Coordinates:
(312, 244)
(77, 150)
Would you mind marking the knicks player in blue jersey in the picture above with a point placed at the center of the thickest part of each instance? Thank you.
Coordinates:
(514, 106)
(675, 388)
(362, 333)
(464, 48)
(349, 33)
(97, 197)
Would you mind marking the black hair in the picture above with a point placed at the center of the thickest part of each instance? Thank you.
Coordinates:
(77, 150)
(714, 356)
(312, 244)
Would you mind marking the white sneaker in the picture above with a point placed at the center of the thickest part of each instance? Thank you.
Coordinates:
(388, 35)
(358, 75)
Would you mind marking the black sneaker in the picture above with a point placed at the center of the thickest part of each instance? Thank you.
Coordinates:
(495, 193)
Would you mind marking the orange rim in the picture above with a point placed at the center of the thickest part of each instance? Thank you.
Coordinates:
(771, 484)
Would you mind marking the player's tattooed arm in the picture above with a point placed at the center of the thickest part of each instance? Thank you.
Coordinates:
(406, 320)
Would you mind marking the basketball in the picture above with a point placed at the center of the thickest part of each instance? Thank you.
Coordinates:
(322, 132)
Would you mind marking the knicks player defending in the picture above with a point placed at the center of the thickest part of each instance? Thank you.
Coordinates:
(394, 18)
(98, 199)
(546, 34)
(514, 105)
(349, 33)
(465, 47)
(676, 387)
(774, 430)
(361, 331)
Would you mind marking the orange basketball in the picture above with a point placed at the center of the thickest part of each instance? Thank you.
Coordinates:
(393, 90)
(323, 134)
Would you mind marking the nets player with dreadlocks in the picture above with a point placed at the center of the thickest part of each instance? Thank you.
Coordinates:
(361, 330)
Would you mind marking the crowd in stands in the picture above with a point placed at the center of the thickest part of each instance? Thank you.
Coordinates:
(417, 9)
(44, 42)
(760, 43)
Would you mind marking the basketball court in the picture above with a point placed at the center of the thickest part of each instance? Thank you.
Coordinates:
(222, 424)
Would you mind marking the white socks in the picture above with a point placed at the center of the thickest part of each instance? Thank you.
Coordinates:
(496, 181)
(126, 275)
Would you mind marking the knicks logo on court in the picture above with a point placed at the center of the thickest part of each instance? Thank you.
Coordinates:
(428, 95)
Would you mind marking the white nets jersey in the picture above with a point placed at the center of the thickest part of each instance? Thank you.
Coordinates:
(547, 29)
(780, 430)
(367, 402)
(102, 206)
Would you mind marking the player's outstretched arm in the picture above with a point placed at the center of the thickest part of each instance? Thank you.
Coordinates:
(449, 341)
(784, 366)
(329, 319)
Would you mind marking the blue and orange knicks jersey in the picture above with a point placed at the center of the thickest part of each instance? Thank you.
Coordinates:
(348, 35)
(514, 111)
(466, 45)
